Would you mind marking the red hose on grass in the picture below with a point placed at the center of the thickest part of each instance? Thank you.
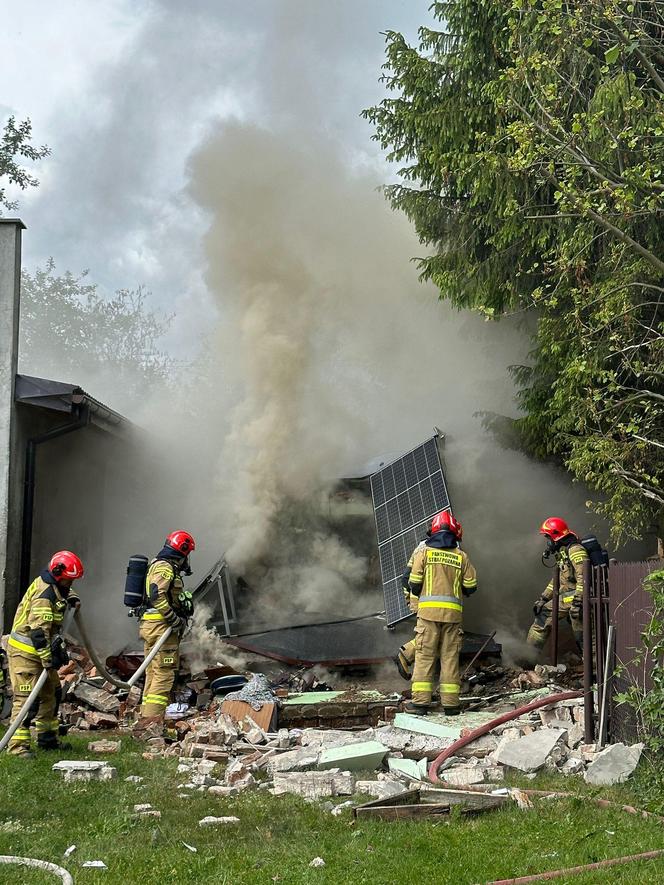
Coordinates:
(489, 726)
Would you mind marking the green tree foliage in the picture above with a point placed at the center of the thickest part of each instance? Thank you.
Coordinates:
(15, 149)
(113, 345)
(530, 140)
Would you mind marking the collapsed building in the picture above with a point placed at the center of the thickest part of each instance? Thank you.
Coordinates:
(384, 512)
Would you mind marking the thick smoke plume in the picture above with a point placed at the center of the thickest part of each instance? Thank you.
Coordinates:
(329, 351)
(337, 353)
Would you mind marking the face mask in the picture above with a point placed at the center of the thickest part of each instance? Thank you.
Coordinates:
(549, 551)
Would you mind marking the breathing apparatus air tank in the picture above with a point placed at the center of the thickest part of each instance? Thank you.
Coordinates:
(134, 592)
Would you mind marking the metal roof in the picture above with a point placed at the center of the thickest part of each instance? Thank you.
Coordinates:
(58, 396)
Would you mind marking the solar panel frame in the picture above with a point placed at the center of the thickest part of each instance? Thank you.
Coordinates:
(406, 494)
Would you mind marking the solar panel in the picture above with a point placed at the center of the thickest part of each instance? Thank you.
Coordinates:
(406, 494)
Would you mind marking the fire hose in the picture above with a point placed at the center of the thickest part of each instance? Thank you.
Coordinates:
(94, 657)
(34, 694)
(101, 669)
(39, 865)
(489, 726)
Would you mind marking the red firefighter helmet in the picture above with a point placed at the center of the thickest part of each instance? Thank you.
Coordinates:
(555, 528)
(181, 541)
(66, 564)
(445, 520)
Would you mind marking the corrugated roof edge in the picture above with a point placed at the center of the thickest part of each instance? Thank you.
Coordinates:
(60, 396)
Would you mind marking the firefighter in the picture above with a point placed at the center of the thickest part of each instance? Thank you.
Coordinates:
(440, 577)
(34, 645)
(169, 605)
(406, 654)
(570, 557)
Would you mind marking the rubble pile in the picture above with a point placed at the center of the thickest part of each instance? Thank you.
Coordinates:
(224, 757)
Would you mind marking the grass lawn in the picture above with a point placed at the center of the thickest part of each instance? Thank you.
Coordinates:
(40, 817)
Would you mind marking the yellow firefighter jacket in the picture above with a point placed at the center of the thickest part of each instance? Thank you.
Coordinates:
(37, 621)
(439, 577)
(163, 585)
(412, 601)
(570, 561)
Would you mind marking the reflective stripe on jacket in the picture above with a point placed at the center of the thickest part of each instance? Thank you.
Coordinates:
(162, 584)
(41, 609)
(570, 562)
(441, 575)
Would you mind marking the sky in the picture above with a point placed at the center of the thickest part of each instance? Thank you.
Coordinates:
(123, 92)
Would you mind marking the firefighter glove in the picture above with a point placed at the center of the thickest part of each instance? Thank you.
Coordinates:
(73, 601)
(576, 608)
(59, 654)
(538, 607)
(186, 604)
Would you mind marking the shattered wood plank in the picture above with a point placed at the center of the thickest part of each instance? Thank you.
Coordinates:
(401, 812)
(475, 801)
(240, 710)
(398, 799)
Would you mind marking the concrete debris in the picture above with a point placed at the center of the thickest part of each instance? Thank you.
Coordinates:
(317, 862)
(529, 753)
(254, 733)
(379, 789)
(338, 810)
(300, 759)
(134, 779)
(100, 720)
(218, 821)
(408, 768)
(365, 756)
(325, 738)
(85, 770)
(94, 865)
(104, 746)
(463, 776)
(314, 784)
(69, 851)
(613, 765)
(573, 766)
(236, 771)
(480, 747)
(97, 698)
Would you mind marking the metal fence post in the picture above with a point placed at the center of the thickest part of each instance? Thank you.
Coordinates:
(588, 702)
(555, 608)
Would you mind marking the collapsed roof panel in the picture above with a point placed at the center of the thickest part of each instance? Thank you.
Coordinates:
(406, 494)
(343, 644)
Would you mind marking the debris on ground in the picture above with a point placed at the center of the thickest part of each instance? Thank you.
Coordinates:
(613, 765)
(294, 733)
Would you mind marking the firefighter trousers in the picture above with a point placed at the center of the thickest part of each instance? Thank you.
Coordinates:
(161, 673)
(437, 641)
(24, 673)
(540, 629)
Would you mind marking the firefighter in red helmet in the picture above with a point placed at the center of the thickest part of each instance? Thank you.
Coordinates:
(35, 645)
(440, 577)
(570, 556)
(169, 605)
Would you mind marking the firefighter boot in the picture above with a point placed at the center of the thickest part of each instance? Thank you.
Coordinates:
(416, 709)
(404, 660)
(48, 740)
